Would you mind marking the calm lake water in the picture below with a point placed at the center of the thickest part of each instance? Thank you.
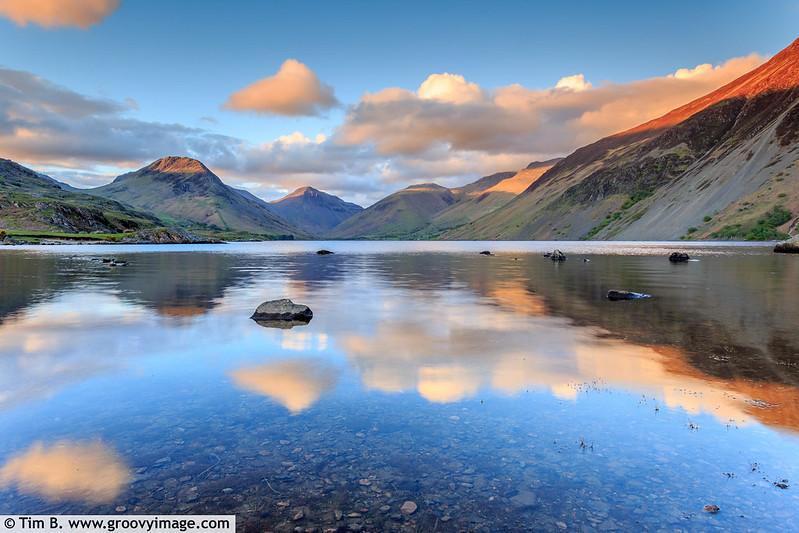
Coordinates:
(499, 393)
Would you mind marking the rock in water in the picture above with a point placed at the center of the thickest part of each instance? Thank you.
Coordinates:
(557, 255)
(626, 295)
(679, 257)
(486, 252)
(790, 246)
(324, 252)
(282, 313)
(711, 508)
(408, 507)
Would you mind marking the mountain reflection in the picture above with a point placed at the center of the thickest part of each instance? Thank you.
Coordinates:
(87, 472)
(719, 336)
(294, 383)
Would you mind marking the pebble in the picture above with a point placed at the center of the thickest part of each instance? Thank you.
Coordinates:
(408, 507)
(338, 514)
(364, 482)
(121, 509)
(299, 515)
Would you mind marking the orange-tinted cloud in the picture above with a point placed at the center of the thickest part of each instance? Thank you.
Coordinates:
(447, 110)
(294, 91)
(55, 13)
(87, 472)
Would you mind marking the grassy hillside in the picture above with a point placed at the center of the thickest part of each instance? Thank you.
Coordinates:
(32, 201)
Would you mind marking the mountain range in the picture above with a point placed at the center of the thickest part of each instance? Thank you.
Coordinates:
(724, 166)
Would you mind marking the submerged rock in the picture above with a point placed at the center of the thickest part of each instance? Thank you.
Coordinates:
(626, 295)
(791, 246)
(711, 508)
(679, 257)
(282, 313)
(408, 507)
(324, 252)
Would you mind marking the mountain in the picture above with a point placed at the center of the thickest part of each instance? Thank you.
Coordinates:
(398, 215)
(484, 196)
(32, 201)
(185, 192)
(314, 211)
(722, 166)
(426, 211)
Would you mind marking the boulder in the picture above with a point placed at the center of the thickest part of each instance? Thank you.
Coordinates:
(791, 246)
(626, 295)
(282, 313)
(679, 257)
(324, 252)
(557, 255)
(486, 252)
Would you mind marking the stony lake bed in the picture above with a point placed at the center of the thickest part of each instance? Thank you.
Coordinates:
(435, 388)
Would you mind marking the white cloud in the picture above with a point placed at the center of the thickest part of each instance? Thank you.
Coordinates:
(451, 88)
(575, 83)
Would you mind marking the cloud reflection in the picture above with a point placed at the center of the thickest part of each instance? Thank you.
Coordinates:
(296, 384)
(507, 344)
(87, 472)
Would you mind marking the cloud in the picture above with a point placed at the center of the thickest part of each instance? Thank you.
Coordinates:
(451, 88)
(88, 472)
(575, 83)
(52, 125)
(294, 91)
(446, 110)
(448, 130)
(55, 13)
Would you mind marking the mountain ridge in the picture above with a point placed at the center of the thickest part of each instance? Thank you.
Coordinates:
(719, 173)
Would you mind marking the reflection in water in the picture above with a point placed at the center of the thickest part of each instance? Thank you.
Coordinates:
(294, 383)
(463, 383)
(89, 472)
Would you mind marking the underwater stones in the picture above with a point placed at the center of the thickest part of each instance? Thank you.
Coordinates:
(626, 295)
(408, 508)
(679, 257)
(282, 313)
(524, 498)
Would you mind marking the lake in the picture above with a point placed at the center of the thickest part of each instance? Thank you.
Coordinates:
(501, 393)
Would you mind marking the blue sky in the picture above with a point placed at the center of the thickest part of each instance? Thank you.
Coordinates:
(181, 61)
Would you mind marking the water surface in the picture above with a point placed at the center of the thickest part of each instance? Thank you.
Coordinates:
(496, 393)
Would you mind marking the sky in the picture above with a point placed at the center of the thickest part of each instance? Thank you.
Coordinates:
(356, 98)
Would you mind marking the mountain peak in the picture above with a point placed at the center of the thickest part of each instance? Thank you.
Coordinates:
(177, 165)
(302, 191)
